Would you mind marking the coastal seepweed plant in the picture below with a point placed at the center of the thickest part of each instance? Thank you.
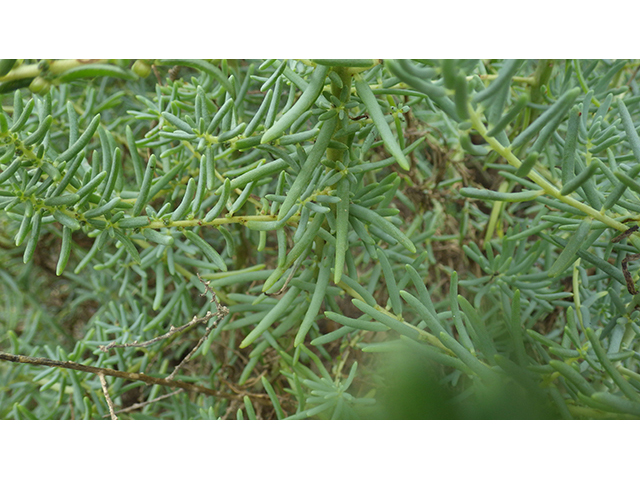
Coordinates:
(374, 239)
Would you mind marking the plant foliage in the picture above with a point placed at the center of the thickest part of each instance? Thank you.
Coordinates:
(377, 239)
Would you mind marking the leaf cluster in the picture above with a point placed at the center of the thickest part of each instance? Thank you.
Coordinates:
(459, 214)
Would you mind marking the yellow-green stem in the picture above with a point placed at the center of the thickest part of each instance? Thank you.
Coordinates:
(543, 183)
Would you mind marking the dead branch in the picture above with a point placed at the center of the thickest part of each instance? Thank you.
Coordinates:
(105, 390)
(132, 377)
(136, 406)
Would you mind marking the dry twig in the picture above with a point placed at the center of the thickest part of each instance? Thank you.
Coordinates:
(221, 312)
(105, 389)
(136, 406)
(625, 234)
(631, 288)
(172, 330)
(133, 377)
(627, 276)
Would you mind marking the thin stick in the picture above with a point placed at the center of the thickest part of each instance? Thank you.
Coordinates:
(627, 276)
(188, 357)
(629, 258)
(132, 377)
(625, 234)
(105, 389)
(172, 330)
(221, 312)
(136, 406)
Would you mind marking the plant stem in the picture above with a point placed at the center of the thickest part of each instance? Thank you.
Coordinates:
(549, 189)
